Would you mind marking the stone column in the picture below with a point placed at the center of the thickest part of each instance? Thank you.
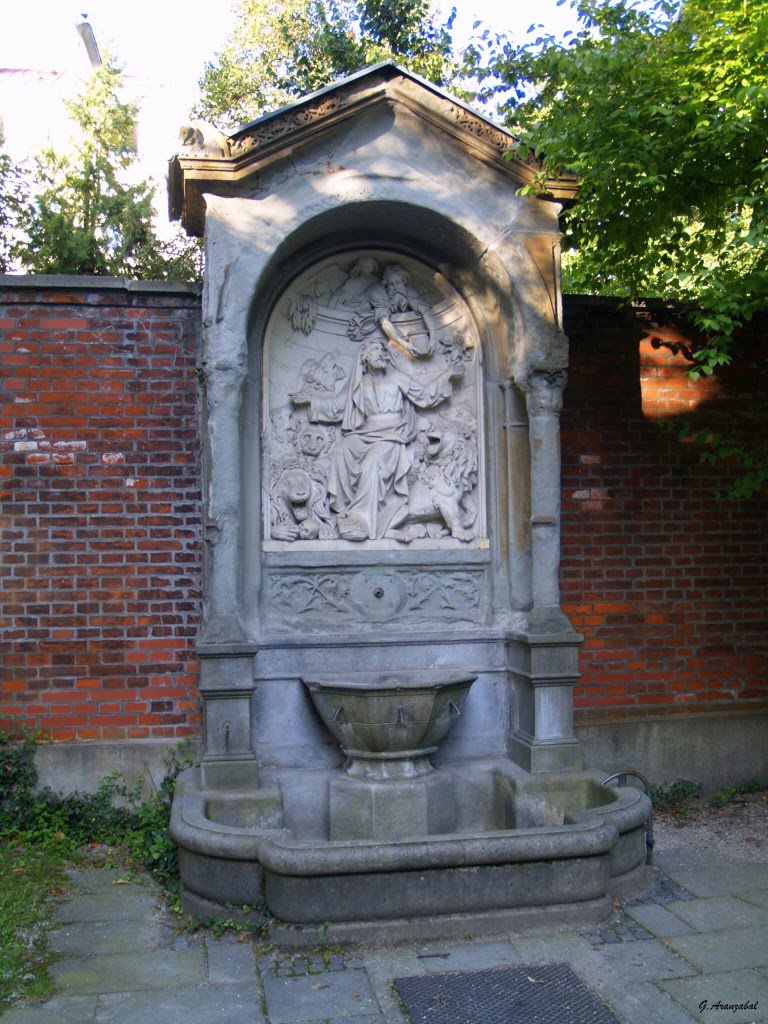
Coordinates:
(544, 400)
(544, 661)
(223, 394)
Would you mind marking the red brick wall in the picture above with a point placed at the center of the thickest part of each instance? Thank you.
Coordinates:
(667, 582)
(99, 510)
(100, 516)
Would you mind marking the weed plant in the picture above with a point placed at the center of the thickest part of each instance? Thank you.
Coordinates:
(730, 793)
(675, 798)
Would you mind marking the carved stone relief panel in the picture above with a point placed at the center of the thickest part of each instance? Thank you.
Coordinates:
(372, 427)
(320, 599)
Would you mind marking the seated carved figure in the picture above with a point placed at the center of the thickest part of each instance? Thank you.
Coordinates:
(367, 482)
(440, 499)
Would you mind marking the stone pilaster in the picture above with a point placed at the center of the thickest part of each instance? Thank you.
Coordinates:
(226, 686)
(223, 396)
(544, 661)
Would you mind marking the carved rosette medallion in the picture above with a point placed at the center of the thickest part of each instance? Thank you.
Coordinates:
(372, 411)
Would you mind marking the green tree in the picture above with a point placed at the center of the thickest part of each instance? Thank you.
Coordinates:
(662, 110)
(14, 198)
(279, 51)
(87, 216)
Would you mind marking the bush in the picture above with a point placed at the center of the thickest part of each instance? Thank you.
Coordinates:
(149, 838)
(18, 778)
(113, 815)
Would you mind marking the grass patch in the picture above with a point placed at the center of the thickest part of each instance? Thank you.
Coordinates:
(40, 835)
(31, 879)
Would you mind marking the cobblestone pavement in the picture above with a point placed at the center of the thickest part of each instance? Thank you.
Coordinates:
(691, 948)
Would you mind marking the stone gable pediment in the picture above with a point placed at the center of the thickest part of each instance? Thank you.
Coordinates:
(210, 161)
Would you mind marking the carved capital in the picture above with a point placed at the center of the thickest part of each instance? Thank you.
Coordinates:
(543, 391)
(223, 381)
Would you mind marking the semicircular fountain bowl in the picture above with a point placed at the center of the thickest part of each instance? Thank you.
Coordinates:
(388, 723)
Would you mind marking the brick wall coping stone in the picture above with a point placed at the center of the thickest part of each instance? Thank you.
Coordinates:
(90, 283)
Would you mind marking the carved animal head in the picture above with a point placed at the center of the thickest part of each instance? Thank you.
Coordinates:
(293, 491)
(313, 439)
(452, 445)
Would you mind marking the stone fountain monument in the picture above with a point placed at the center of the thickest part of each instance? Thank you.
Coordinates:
(386, 673)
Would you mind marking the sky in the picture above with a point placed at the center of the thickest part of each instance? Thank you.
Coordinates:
(163, 46)
(169, 40)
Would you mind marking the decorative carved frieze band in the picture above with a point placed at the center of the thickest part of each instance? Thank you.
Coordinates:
(202, 141)
(328, 599)
(272, 130)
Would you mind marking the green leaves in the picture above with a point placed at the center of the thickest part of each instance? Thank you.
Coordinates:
(651, 109)
(14, 200)
(662, 110)
(87, 214)
(281, 51)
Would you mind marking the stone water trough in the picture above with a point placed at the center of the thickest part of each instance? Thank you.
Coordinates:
(406, 849)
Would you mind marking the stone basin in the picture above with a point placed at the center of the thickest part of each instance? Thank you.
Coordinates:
(541, 851)
(388, 723)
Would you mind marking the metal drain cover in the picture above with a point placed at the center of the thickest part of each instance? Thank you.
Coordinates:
(537, 994)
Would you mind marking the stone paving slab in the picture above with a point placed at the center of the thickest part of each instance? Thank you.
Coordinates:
(382, 967)
(700, 994)
(130, 971)
(230, 962)
(319, 997)
(96, 880)
(67, 1010)
(657, 1004)
(547, 949)
(647, 960)
(720, 912)
(725, 950)
(207, 1004)
(757, 896)
(111, 905)
(105, 937)
(714, 881)
(634, 1003)
(471, 956)
(662, 922)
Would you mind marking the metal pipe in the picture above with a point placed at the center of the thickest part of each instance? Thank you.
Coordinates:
(621, 778)
(85, 32)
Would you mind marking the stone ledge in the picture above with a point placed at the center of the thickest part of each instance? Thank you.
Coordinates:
(79, 283)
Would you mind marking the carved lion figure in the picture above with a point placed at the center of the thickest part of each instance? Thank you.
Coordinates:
(440, 497)
(299, 510)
